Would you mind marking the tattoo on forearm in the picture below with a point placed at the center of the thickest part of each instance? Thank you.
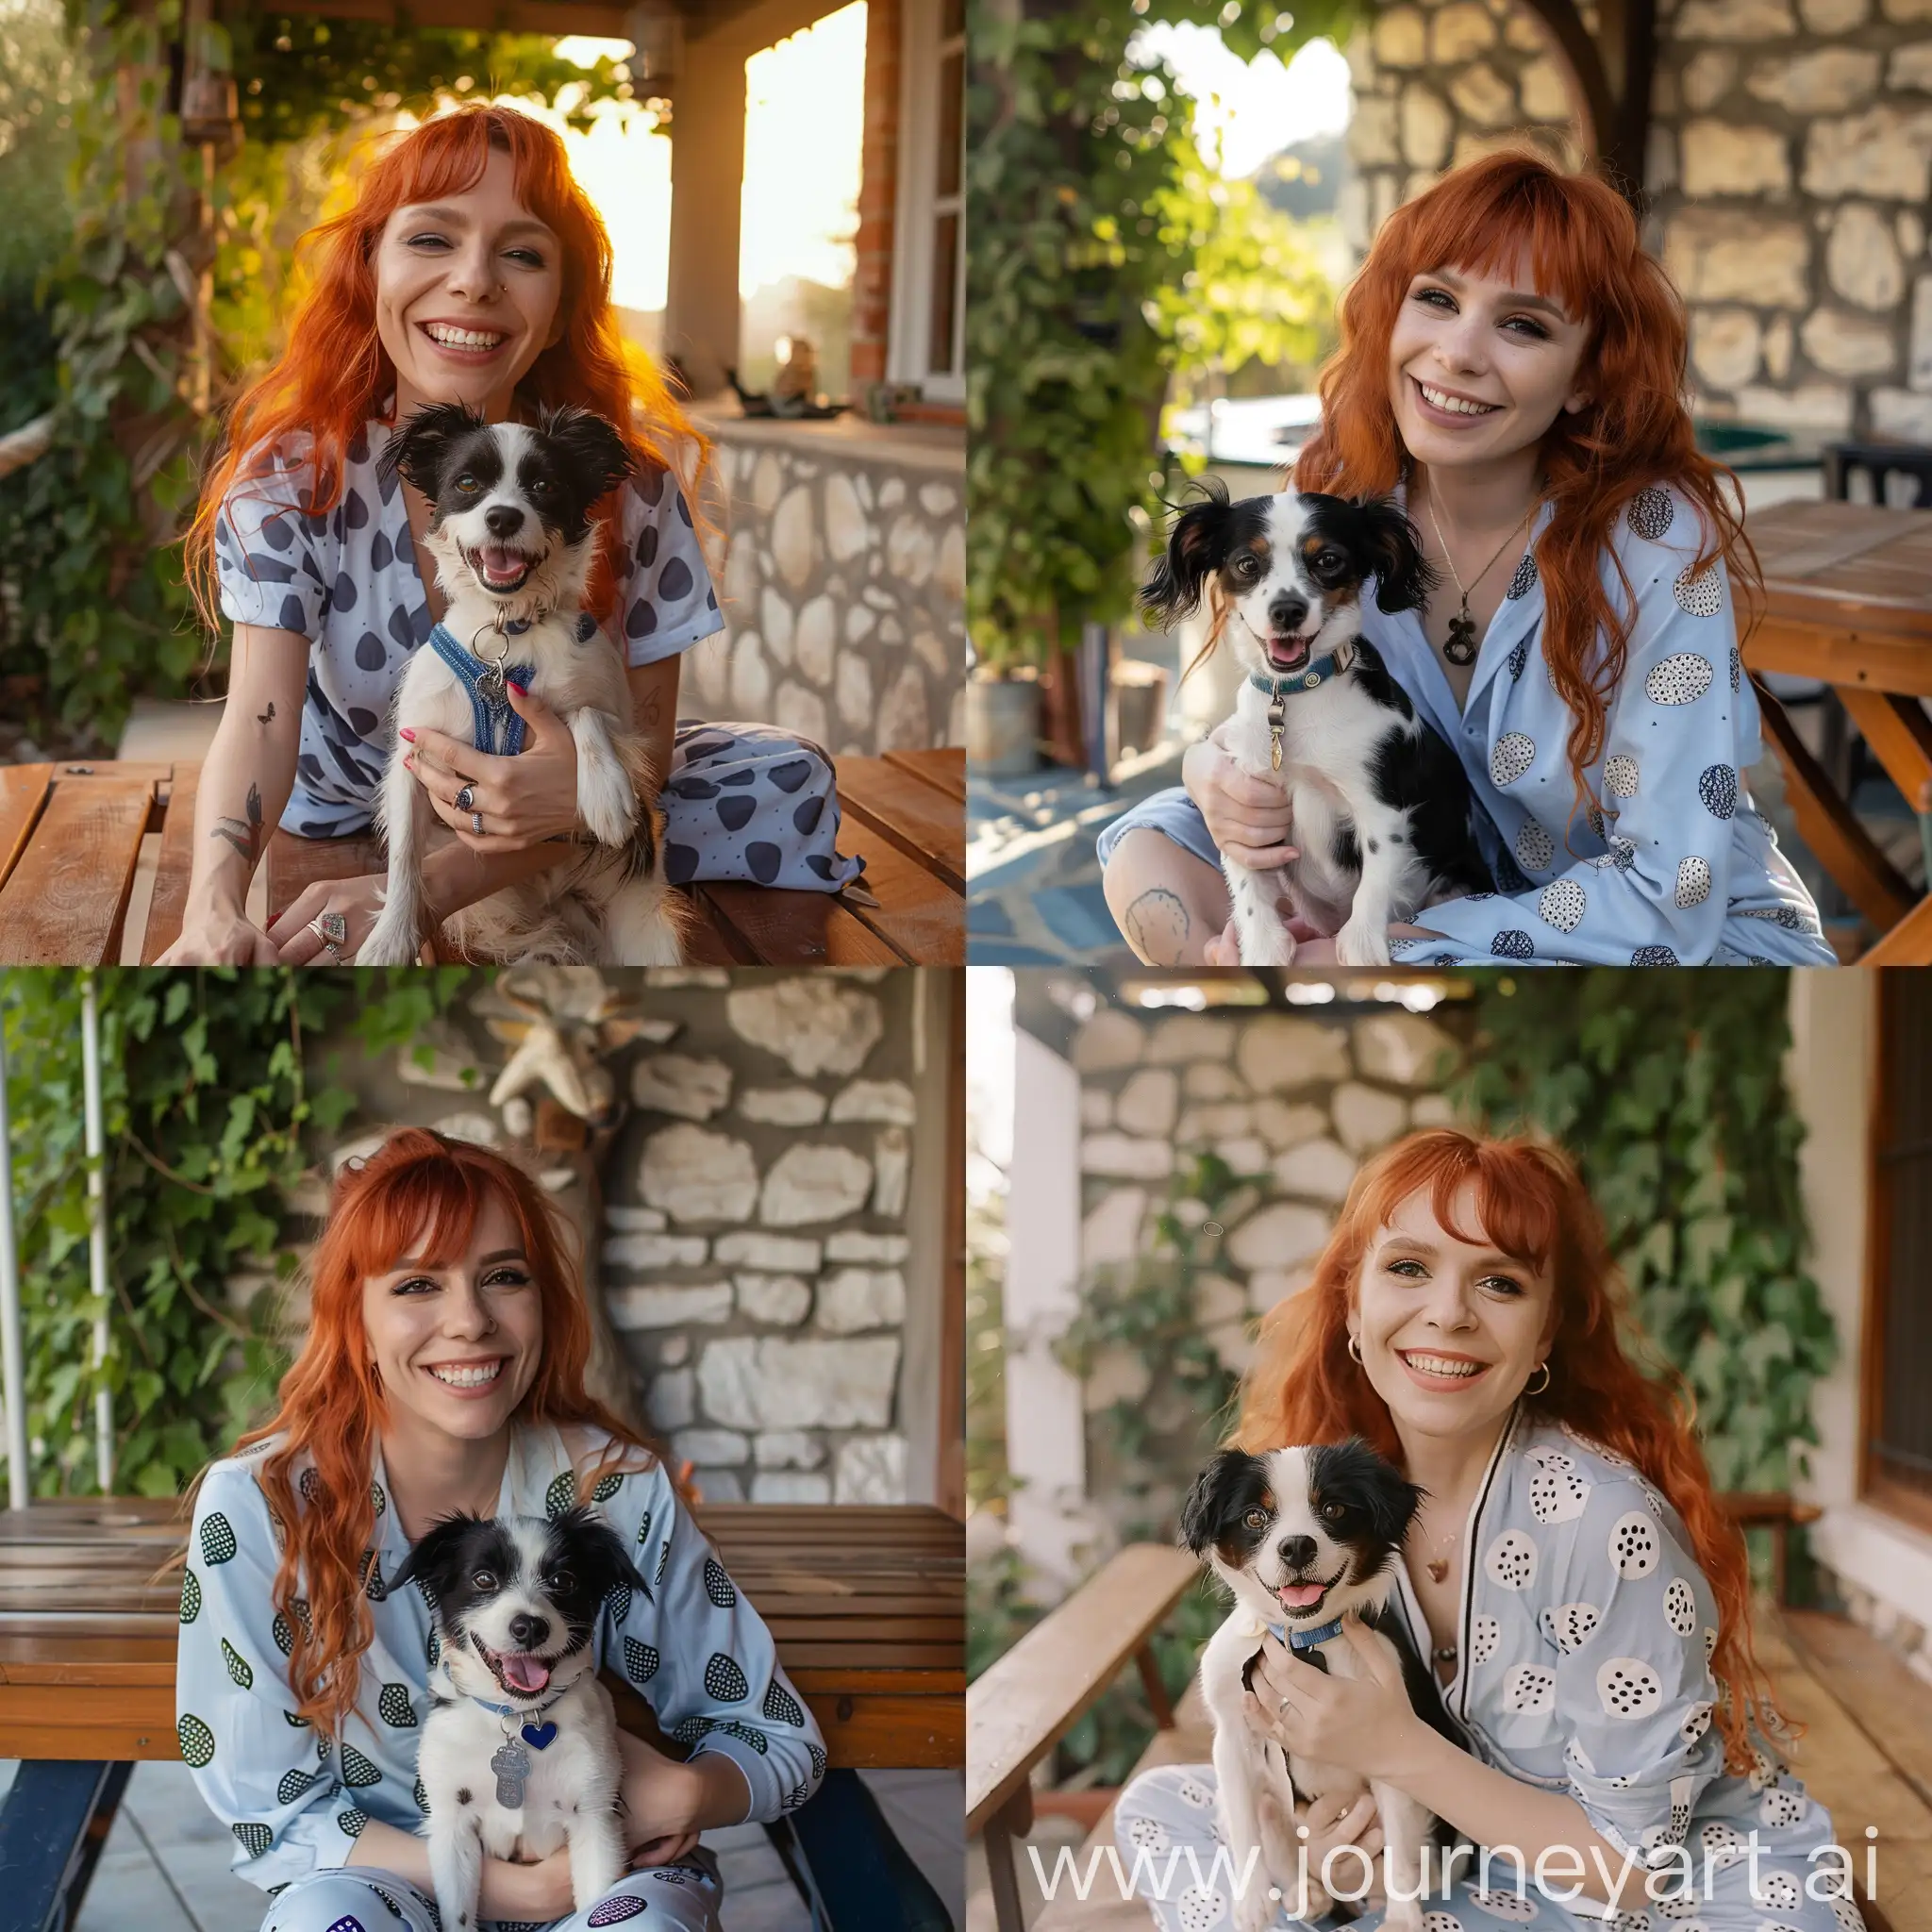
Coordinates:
(1157, 927)
(267, 717)
(653, 709)
(246, 839)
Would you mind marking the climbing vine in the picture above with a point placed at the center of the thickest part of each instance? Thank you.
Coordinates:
(1105, 254)
(92, 608)
(213, 1100)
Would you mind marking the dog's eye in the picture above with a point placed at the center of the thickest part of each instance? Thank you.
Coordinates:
(467, 482)
(1333, 1512)
(483, 1579)
(1247, 567)
(539, 486)
(1256, 1518)
(1329, 563)
(559, 1579)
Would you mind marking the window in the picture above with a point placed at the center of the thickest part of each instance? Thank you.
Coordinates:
(929, 256)
(1898, 1331)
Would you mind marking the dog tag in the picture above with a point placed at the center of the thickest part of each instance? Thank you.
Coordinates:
(511, 1765)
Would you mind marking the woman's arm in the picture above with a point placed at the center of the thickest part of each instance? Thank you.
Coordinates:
(670, 1803)
(540, 1891)
(245, 781)
(653, 709)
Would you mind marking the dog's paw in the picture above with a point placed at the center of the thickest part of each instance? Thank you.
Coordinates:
(608, 807)
(1358, 943)
(1404, 1915)
(1255, 1911)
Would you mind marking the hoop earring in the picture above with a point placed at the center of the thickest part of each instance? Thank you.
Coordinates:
(1540, 1386)
(1355, 1350)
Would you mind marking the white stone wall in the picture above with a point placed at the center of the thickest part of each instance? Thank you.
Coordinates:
(843, 590)
(1790, 159)
(1297, 1099)
(753, 1251)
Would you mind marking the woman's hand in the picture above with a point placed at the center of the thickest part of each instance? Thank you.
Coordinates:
(522, 801)
(1366, 1724)
(219, 936)
(1248, 816)
(358, 900)
(663, 1851)
(1336, 1821)
(537, 1892)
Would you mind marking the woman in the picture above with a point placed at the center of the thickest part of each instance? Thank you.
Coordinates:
(470, 268)
(1583, 1598)
(301, 1685)
(1512, 364)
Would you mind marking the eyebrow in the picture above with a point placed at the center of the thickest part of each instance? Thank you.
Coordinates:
(1516, 298)
(456, 216)
(484, 1262)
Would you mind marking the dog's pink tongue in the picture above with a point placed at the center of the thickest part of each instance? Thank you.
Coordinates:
(1298, 1596)
(499, 563)
(523, 1672)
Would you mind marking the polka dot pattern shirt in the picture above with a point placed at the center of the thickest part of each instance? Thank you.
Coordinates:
(697, 1653)
(350, 583)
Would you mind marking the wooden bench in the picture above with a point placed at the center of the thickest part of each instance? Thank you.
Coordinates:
(1866, 1754)
(71, 838)
(866, 1605)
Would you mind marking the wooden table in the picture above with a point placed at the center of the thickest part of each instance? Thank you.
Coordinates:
(70, 837)
(867, 1607)
(1848, 591)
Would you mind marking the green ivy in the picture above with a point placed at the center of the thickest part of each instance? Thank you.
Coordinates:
(1669, 1091)
(1105, 256)
(212, 1112)
(94, 609)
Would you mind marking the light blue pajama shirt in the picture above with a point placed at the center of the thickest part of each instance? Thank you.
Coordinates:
(697, 1652)
(1679, 869)
(1584, 1644)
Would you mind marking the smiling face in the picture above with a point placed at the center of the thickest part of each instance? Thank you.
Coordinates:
(456, 1346)
(467, 292)
(1301, 1535)
(1449, 1330)
(1480, 366)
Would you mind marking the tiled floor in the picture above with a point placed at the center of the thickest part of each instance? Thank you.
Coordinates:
(165, 1868)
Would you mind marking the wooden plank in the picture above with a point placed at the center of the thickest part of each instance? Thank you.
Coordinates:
(65, 901)
(786, 929)
(296, 863)
(1908, 943)
(172, 871)
(22, 795)
(1032, 1697)
(1888, 1703)
(1822, 642)
(944, 771)
(1898, 730)
(924, 824)
(920, 917)
(1825, 823)
(704, 943)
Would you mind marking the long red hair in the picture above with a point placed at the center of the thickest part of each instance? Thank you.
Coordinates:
(1530, 1201)
(418, 1195)
(334, 374)
(1583, 247)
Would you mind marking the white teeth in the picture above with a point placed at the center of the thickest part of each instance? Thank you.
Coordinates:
(1456, 405)
(460, 338)
(1441, 1365)
(469, 1378)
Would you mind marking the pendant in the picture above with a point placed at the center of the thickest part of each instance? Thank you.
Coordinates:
(1460, 649)
(1437, 1568)
(511, 1765)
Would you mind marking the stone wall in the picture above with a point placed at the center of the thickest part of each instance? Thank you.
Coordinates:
(760, 1208)
(1907, 1637)
(1790, 160)
(1300, 1100)
(843, 585)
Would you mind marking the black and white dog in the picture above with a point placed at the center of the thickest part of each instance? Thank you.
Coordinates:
(1303, 1538)
(1381, 805)
(511, 533)
(519, 1751)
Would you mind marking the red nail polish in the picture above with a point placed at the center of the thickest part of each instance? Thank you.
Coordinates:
(408, 764)
(408, 734)
(519, 690)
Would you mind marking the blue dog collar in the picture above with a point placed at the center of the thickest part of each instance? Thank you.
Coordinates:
(1307, 679)
(494, 726)
(1305, 1639)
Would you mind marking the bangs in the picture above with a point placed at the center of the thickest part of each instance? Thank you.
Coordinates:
(419, 1213)
(1518, 1204)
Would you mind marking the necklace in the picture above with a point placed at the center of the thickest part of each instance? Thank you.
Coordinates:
(1461, 647)
(1437, 1565)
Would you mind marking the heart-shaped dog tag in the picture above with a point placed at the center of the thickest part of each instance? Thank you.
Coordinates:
(539, 1736)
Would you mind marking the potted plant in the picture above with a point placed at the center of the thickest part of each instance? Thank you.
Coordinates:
(1002, 705)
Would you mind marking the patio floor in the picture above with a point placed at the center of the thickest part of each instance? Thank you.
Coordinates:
(165, 1865)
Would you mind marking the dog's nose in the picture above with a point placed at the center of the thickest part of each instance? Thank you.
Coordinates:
(527, 1632)
(503, 519)
(1288, 613)
(1297, 1552)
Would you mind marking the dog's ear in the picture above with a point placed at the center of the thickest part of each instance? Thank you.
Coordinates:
(1196, 547)
(599, 1546)
(431, 1560)
(1404, 577)
(596, 450)
(420, 449)
(1391, 1498)
(1201, 1512)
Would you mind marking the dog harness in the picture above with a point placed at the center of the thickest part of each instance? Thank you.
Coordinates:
(494, 727)
(1279, 689)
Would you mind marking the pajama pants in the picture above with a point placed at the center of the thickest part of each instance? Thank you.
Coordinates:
(1170, 1812)
(669, 1898)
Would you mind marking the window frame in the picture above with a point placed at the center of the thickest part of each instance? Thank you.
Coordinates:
(919, 209)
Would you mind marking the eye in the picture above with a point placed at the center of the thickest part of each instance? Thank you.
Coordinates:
(1328, 563)
(528, 256)
(1254, 1519)
(559, 1579)
(1333, 1512)
(431, 239)
(1247, 566)
(539, 486)
(1437, 298)
(418, 1283)
(1501, 1283)
(468, 483)
(1409, 1270)
(483, 1579)
(1523, 324)
(505, 1277)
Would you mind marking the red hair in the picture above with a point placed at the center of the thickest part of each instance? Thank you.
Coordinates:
(1581, 241)
(334, 374)
(1531, 1203)
(418, 1190)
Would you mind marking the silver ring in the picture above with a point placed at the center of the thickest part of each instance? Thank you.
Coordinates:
(331, 928)
(466, 798)
(476, 823)
(1282, 1705)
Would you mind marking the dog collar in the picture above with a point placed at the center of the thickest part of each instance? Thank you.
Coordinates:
(494, 726)
(1307, 679)
(1305, 1639)
(509, 1710)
